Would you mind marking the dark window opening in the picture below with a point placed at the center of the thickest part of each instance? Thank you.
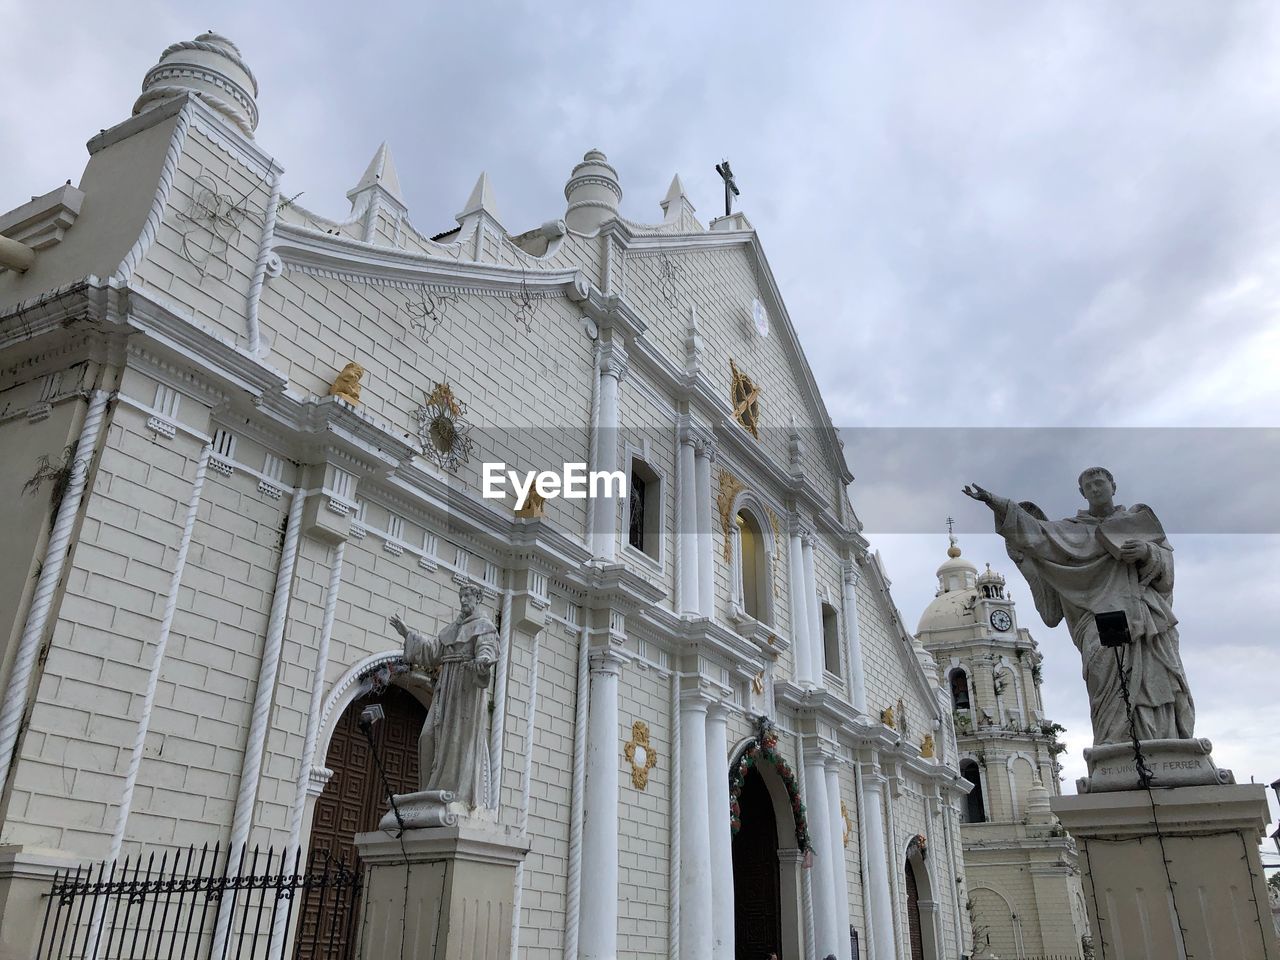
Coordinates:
(974, 811)
(960, 690)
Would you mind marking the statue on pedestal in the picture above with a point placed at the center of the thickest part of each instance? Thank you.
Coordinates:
(453, 749)
(1112, 565)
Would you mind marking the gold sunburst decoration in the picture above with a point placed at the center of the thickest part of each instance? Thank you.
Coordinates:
(745, 397)
(886, 717)
(443, 428)
(640, 754)
(730, 487)
(927, 746)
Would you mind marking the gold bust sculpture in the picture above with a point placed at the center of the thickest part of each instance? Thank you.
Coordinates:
(347, 386)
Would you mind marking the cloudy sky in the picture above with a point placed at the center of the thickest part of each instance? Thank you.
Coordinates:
(983, 216)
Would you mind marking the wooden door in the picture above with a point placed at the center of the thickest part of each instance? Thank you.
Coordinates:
(353, 801)
(757, 901)
(913, 916)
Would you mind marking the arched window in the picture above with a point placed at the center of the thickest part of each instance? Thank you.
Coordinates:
(959, 681)
(830, 638)
(753, 567)
(974, 809)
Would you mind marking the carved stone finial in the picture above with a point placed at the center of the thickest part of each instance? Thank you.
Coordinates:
(210, 67)
(347, 385)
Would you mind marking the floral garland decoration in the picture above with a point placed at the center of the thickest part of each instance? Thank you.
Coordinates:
(381, 676)
(764, 748)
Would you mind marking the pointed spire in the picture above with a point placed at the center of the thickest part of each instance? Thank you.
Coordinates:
(481, 200)
(676, 201)
(381, 172)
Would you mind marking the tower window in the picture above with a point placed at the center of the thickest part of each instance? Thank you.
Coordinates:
(959, 681)
(644, 509)
(830, 638)
(974, 810)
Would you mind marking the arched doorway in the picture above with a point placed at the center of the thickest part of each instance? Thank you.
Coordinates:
(354, 800)
(913, 915)
(757, 901)
(922, 908)
(767, 859)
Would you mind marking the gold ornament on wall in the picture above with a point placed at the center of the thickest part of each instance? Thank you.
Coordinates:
(730, 487)
(535, 505)
(347, 385)
(886, 717)
(926, 746)
(443, 428)
(848, 822)
(745, 397)
(640, 754)
(757, 683)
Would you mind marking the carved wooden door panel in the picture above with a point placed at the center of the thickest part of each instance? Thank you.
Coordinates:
(353, 801)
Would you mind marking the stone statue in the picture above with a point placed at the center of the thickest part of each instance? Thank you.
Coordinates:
(1110, 558)
(453, 749)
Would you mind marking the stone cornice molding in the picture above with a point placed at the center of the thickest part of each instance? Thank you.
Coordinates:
(345, 258)
(710, 639)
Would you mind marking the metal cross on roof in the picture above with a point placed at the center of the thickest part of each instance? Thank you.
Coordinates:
(951, 528)
(730, 187)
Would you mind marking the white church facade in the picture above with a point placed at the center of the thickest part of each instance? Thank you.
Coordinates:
(240, 437)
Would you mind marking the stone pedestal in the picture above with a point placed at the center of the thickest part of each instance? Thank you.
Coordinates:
(25, 876)
(1210, 840)
(1173, 763)
(448, 891)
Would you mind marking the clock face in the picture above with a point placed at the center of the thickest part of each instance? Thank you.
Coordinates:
(1001, 620)
(760, 317)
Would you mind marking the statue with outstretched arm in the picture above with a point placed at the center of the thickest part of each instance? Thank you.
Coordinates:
(453, 749)
(1108, 558)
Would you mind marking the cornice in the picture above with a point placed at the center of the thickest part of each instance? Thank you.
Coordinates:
(344, 258)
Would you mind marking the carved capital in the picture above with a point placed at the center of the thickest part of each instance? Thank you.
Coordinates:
(614, 361)
(606, 660)
(851, 573)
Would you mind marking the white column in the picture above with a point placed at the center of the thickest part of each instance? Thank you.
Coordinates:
(852, 640)
(598, 924)
(613, 367)
(840, 889)
(686, 527)
(704, 454)
(799, 611)
(721, 836)
(695, 831)
(260, 718)
(823, 873)
(56, 553)
(817, 649)
(876, 860)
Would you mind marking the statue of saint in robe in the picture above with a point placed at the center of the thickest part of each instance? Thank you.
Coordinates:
(1107, 558)
(453, 749)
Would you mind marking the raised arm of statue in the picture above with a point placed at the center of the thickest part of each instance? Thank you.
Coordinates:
(999, 505)
(420, 650)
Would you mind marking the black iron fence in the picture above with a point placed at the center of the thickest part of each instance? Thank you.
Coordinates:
(168, 907)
